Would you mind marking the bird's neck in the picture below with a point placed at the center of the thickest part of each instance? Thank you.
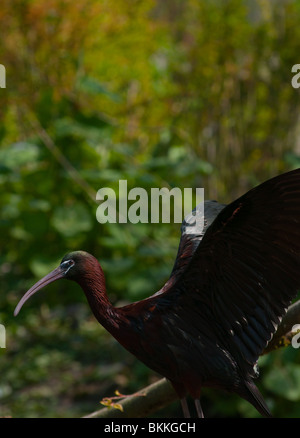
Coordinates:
(94, 288)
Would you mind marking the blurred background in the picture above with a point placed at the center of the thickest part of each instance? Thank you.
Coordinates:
(162, 93)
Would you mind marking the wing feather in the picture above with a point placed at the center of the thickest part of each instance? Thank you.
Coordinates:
(243, 271)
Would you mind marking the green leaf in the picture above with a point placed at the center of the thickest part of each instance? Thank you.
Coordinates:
(66, 127)
(284, 381)
(72, 220)
(18, 154)
(42, 265)
(92, 86)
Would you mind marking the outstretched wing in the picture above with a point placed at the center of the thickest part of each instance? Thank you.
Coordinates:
(245, 271)
(192, 234)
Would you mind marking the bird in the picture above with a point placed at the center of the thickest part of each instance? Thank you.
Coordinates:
(231, 283)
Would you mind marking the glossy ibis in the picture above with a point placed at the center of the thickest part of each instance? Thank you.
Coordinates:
(229, 288)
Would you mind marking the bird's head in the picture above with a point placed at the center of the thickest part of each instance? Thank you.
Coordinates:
(72, 267)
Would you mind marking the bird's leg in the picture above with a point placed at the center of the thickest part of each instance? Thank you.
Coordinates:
(199, 409)
(185, 408)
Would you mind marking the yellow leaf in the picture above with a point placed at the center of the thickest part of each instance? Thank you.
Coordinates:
(107, 403)
(118, 406)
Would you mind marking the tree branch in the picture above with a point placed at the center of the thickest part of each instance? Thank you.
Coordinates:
(155, 397)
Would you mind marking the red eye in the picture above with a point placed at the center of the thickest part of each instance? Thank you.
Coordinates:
(65, 266)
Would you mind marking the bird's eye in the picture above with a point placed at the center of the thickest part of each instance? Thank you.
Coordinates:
(67, 265)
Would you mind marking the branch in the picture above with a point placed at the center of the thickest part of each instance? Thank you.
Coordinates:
(57, 154)
(155, 397)
(64, 162)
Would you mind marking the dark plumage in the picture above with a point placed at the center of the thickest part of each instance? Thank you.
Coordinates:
(230, 285)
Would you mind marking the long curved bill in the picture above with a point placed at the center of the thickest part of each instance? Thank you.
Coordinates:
(56, 274)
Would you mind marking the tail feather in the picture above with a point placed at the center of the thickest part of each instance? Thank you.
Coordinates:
(254, 397)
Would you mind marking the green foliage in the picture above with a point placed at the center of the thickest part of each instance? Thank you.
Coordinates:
(160, 93)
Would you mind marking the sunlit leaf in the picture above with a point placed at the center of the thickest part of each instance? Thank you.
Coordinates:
(19, 154)
(71, 220)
